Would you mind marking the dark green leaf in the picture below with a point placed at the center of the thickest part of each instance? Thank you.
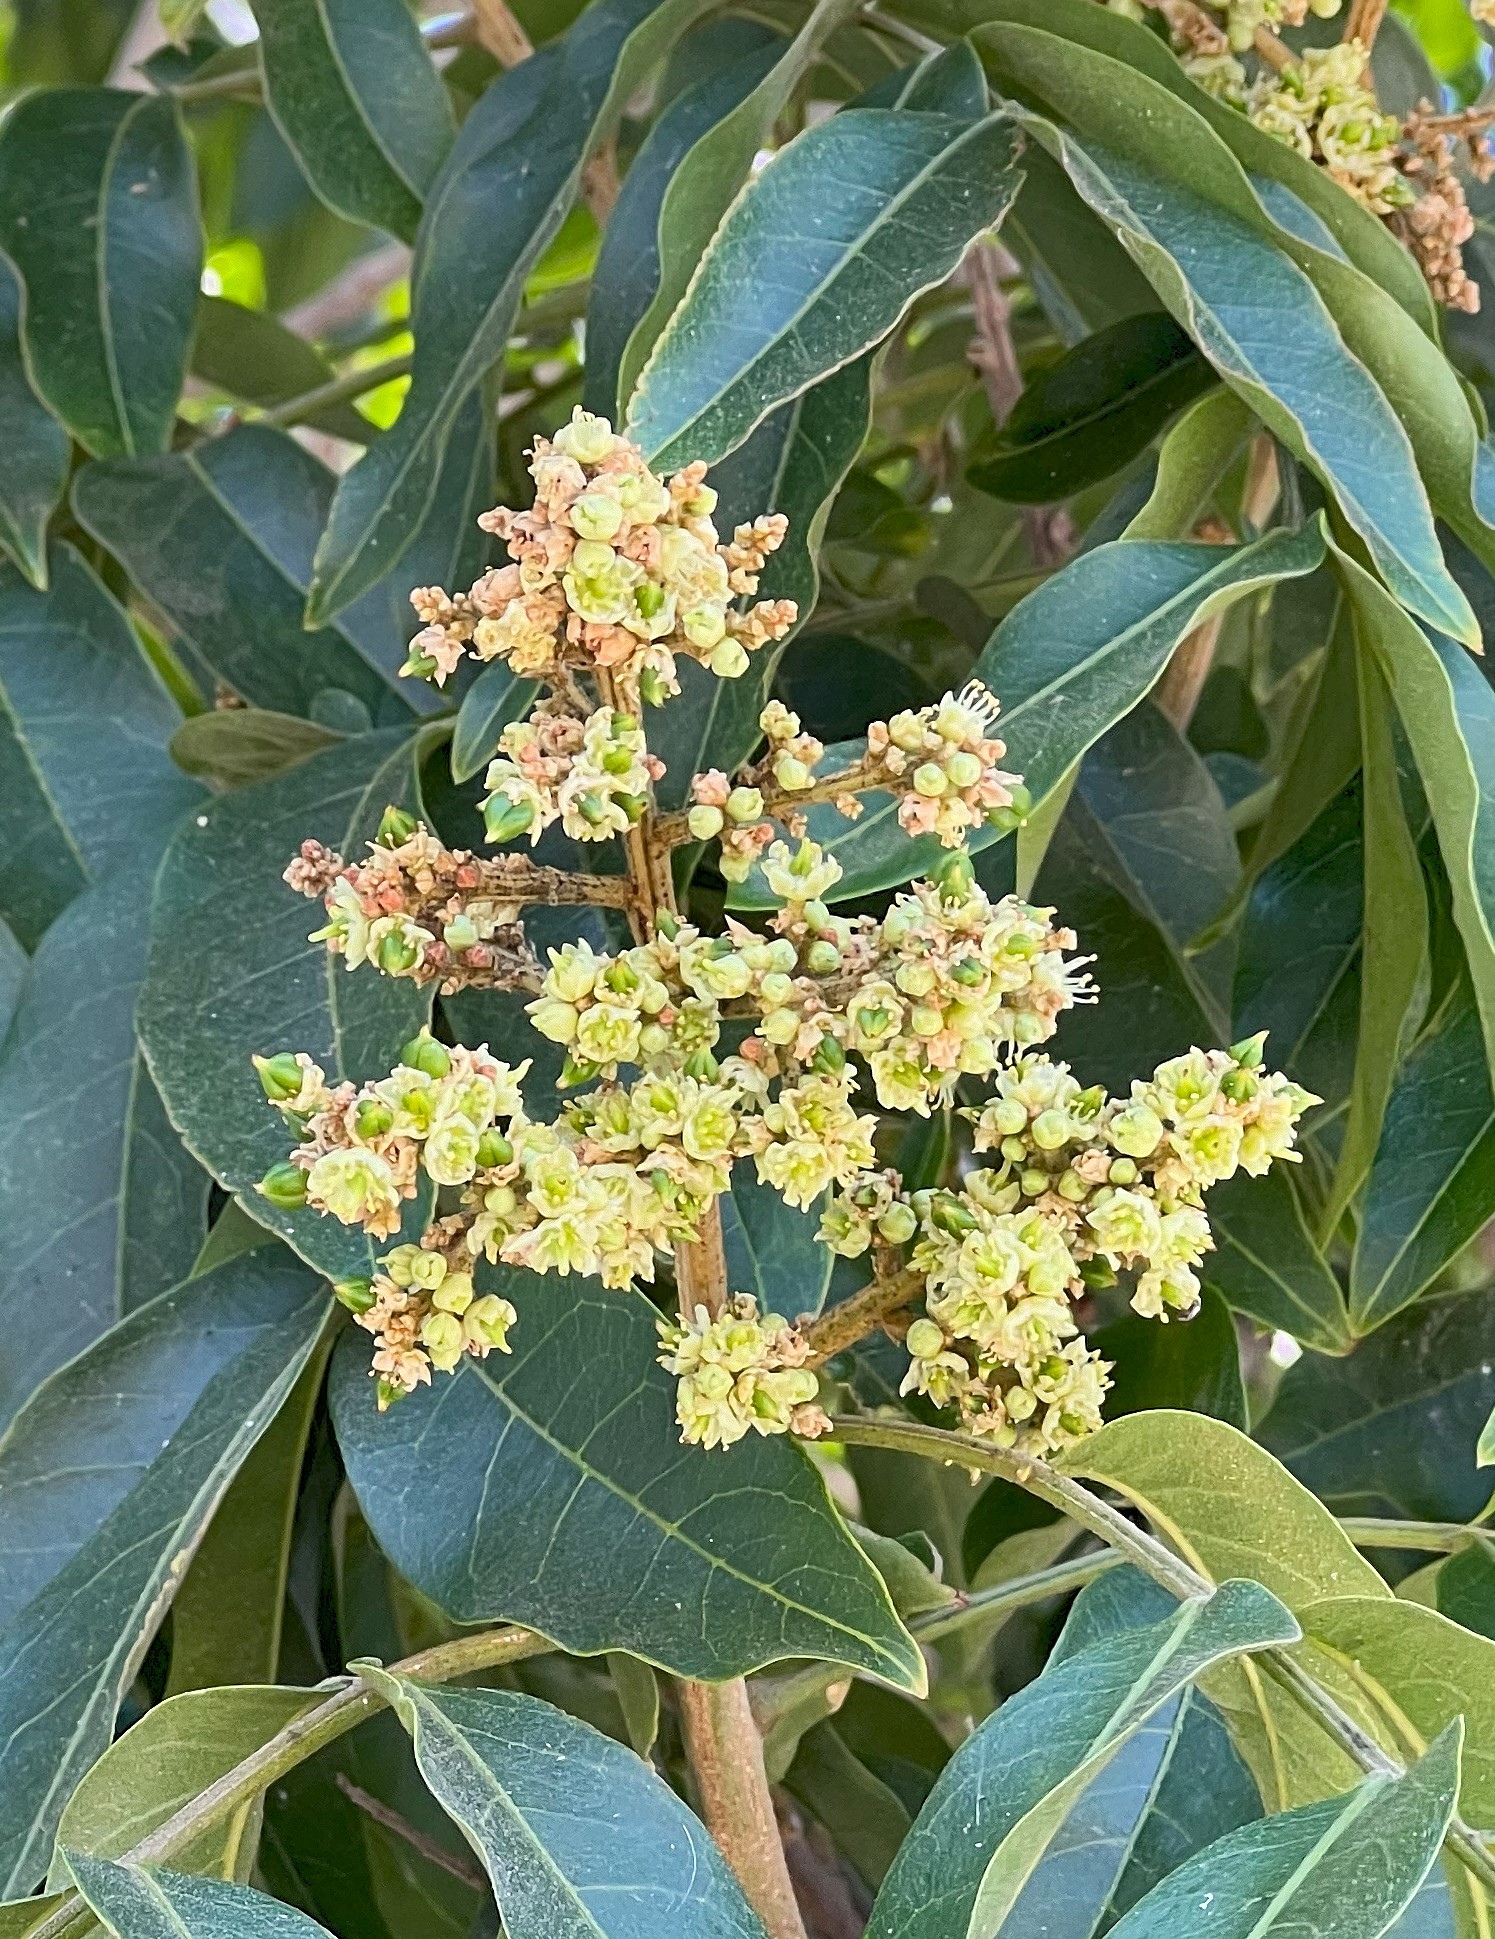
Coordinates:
(494, 699)
(626, 279)
(500, 198)
(107, 1478)
(232, 974)
(221, 538)
(1085, 417)
(1298, 375)
(35, 444)
(1197, 1365)
(1466, 1589)
(864, 1816)
(1067, 663)
(1082, 276)
(1006, 1791)
(894, 198)
(232, 746)
(136, 1904)
(85, 780)
(1349, 1866)
(748, 1561)
(175, 1751)
(353, 91)
(251, 355)
(1447, 709)
(1267, 1263)
(581, 1839)
(101, 1205)
(771, 1248)
(99, 215)
(793, 463)
(1432, 1184)
(1390, 1428)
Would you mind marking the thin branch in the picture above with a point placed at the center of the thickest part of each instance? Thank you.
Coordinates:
(1363, 23)
(853, 1319)
(501, 33)
(340, 390)
(351, 295)
(292, 1746)
(673, 831)
(1164, 1567)
(1445, 1538)
(1006, 1598)
(384, 1814)
(1273, 51)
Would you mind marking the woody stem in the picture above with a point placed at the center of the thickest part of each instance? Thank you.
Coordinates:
(858, 1316)
(722, 1744)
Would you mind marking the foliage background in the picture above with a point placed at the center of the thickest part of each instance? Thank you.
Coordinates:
(205, 317)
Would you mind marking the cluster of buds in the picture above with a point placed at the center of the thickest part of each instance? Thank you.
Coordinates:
(735, 810)
(1322, 106)
(943, 761)
(415, 908)
(613, 569)
(423, 1312)
(1439, 223)
(591, 775)
(740, 1371)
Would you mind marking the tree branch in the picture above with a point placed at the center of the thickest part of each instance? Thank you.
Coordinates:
(853, 1319)
(434, 1854)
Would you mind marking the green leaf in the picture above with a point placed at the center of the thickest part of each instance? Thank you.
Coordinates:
(865, 1817)
(99, 216)
(233, 746)
(1004, 1794)
(689, 207)
(228, 1616)
(1267, 1263)
(177, 1750)
(1300, 941)
(1279, 347)
(749, 1561)
(793, 463)
(897, 197)
(625, 281)
(101, 1206)
(1168, 842)
(1086, 278)
(771, 1248)
(499, 200)
(1432, 1185)
(232, 975)
(1447, 709)
(1085, 417)
(581, 1839)
(494, 699)
(1349, 1866)
(353, 91)
(1193, 458)
(1067, 663)
(1225, 1504)
(35, 444)
(137, 1904)
(1391, 1428)
(1197, 1366)
(221, 538)
(85, 780)
(252, 356)
(107, 1478)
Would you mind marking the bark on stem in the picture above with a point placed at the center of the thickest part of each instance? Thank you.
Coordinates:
(726, 1760)
(856, 1317)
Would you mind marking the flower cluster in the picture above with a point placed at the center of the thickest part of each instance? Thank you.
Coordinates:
(613, 568)
(739, 1371)
(1440, 222)
(943, 760)
(1087, 1186)
(1322, 106)
(423, 1312)
(592, 775)
(415, 908)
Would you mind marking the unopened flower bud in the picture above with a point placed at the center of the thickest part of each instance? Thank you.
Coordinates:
(387, 1392)
(744, 805)
(950, 1215)
(1239, 1086)
(460, 934)
(396, 827)
(1034, 1183)
(280, 1077)
(652, 687)
(729, 660)
(596, 515)
(792, 775)
(924, 1339)
(704, 822)
(397, 952)
(372, 1119)
(424, 1054)
(929, 779)
(822, 958)
(1250, 1051)
(1122, 1172)
(505, 820)
(494, 1149)
(898, 1224)
(955, 876)
(356, 1294)
(441, 1336)
(284, 1186)
(1050, 1130)
(486, 1323)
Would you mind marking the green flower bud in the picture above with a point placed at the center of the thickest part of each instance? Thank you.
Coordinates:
(356, 1294)
(744, 805)
(487, 1322)
(955, 876)
(633, 806)
(704, 822)
(653, 688)
(280, 1076)
(592, 807)
(950, 1215)
(1098, 1274)
(418, 666)
(596, 515)
(1122, 1172)
(505, 820)
(793, 776)
(396, 828)
(925, 1339)
(822, 958)
(372, 1118)
(650, 598)
(397, 953)
(1004, 820)
(702, 1066)
(423, 1053)
(284, 1186)
(617, 760)
(1022, 801)
(897, 1225)
(1033, 1183)
(576, 1071)
(963, 770)
(1051, 1130)
(1014, 1150)
(1239, 1086)
(667, 924)
(494, 1149)
(460, 934)
(829, 1057)
(1250, 1051)
(387, 1392)
(1072, 1187)
(441, 1336)
(929, 779)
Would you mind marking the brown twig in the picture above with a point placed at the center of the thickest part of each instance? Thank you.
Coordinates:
(338, 390)
(1363, 23)
(500, 33)
(726, 1761)
(672, 831)
(386, 1815)
(1273, 51)
(853, 1319)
